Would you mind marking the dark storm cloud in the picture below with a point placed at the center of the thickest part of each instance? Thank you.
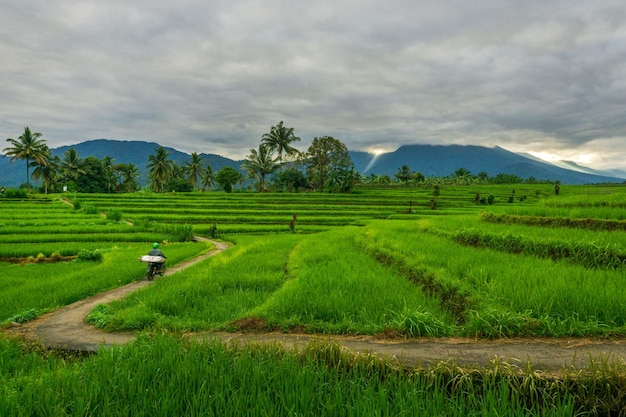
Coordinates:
(214, 76)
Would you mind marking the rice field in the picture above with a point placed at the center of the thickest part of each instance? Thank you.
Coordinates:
(526, 264)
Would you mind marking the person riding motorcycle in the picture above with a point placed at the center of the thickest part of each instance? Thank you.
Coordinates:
(155, 251)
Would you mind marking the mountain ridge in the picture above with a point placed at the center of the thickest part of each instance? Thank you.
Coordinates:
(430, 160)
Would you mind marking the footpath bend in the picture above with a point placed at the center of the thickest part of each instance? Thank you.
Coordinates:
(66, 329)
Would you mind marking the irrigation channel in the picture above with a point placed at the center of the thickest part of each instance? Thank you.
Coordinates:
(66, 329)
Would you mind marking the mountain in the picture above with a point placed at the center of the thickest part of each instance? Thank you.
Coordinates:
(137, 152)
(430, 160)
(443, 160)
(122, 151)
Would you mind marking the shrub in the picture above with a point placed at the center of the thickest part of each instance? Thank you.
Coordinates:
(114, 215)
(25, 316)
(90, 255)
(183, 233)
(15, 193)
(91, 210)
(213, 232)
(77, 204)
(423, 323)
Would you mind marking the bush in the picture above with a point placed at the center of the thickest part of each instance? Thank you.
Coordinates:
(15, 193)
(25, 316)
(213, 232)
(180, 186)
(114, 215)
(90, 255)
(183, 233)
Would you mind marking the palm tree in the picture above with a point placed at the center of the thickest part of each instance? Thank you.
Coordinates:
(28, 146)
(110, 173)
(403, 174)
(208, 179)
(261, 163)
(46, 169)
(279, 139)
(129, 174)
(71, 166)
(160, 169)
(179, 172)
(194, 169)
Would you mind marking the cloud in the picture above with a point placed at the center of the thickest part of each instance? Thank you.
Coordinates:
(215, 76)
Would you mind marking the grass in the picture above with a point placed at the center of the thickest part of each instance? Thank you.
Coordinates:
(32, 289)
(161, 375)
(283, 282)
(372, 262)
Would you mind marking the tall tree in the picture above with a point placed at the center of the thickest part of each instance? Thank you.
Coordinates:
(279, 139)
(194, 169)
(71, 165)
(93, 178)
(208, 179)
(111, 179)
(28, 146)
(461, 172)
(226, 177)
(160, 169)
(179, 172)
(323, 156)
(46, 169)
(403, 174)
(260, 163)
(128, 175)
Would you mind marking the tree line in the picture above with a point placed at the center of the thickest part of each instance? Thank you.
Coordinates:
(275, 165)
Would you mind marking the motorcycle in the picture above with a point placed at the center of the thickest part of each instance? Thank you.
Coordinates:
(156, 265)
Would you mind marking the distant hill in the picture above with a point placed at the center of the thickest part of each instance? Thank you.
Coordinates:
(443, 160)
(137, 152)
(122, 151)
(430, 160)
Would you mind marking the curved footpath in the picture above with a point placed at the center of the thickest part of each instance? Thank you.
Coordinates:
(65, 329)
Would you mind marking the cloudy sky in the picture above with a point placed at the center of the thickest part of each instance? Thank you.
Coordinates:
(547, 77)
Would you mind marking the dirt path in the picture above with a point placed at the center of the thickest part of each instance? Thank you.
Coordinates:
(65, 329)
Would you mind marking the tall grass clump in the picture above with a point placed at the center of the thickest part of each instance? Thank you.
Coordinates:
(90, 255)
(114, 215)
(91, 210)
(170, 376)
(183, 233)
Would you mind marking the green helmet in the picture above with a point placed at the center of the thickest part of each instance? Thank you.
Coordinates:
(155, 245)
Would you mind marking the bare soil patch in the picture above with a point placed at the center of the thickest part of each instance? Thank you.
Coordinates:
(31, 260)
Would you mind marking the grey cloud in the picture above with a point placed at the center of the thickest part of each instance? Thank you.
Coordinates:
(214, 76)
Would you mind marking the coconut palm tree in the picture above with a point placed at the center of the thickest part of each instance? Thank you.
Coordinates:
(129, 174)
(279, 139)
(260, 163)
(208, 179)
(46, 169)
(72, 165)
(28, 146)
(194, 169)
(110, 173)
(160, 169)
